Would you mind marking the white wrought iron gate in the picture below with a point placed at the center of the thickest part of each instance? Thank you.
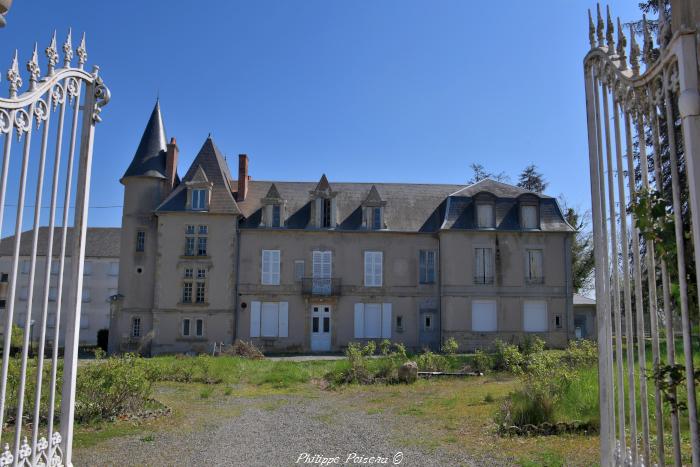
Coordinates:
(649, 117)
(28, 385)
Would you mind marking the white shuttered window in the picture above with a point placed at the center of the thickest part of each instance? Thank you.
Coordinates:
(373, 320)
(483, 265)
(269, 319)
(484, 316)
(270, 267)
(373, 268)
(534, 266)
(535, 316)
(484, 215)
(529, 217)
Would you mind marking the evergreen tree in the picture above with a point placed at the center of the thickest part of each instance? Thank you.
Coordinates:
(583, 261)
(532, 180)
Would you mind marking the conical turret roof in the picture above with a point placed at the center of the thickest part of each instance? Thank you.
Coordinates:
(149, 160)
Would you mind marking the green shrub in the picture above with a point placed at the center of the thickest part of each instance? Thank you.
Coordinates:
(385, 347)
(450, 346)
(357, 371)
(523, 408)
(429, 361)
(507, 357)
(531, 345)
(581, 354)
(482, 362)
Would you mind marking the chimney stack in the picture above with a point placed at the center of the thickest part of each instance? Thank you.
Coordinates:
(242, 177)
(171, 163)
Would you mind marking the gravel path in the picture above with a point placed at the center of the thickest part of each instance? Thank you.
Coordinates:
(276, 431)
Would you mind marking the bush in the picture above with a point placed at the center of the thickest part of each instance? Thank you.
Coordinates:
(581, 354)
(357, 371)
(482, 362)
(243, 349)
(429, 361)
(450, 346)
(531, 345)
(507, 357)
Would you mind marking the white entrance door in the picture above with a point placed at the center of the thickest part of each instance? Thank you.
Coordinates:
(320, 328)
(321, 273)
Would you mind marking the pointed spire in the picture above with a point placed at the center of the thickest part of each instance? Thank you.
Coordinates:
(273, 193)
(52, 55)
(648, 43)
(621, 45)
(323, 185)
(664, 34)
(373, 196)
(82, 53)
(13, 76)
(150, 157)
(68, 49)
(591, 30)
(33, 69)
(600, 28)
(634, 52)
(610, 32)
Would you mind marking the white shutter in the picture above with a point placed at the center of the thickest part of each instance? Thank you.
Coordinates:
(488, 263)
(386, 321)
(529, 217)
(254, 319)
(535, 316)
(265, 269)
(484, 316)
(269, 319)
(368, 268)
(373, 320)
(479, 264)
(283, 330)
(275, 269)
(359, 320)
(333, 213)
(538, 264)
(378, 262)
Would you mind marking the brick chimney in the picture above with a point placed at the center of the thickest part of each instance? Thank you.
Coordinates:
(171, 163)
(242, 177)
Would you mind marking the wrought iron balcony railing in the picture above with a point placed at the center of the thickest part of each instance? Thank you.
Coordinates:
(320, 286)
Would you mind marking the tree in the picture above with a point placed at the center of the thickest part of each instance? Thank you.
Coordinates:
(532, 180)
(582, 258)
(480, 173)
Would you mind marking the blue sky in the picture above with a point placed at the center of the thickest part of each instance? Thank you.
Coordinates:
(393, 91)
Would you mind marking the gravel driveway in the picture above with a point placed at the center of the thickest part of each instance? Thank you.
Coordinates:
(276, 431)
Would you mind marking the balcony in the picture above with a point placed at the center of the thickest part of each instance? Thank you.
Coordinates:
(324, 287)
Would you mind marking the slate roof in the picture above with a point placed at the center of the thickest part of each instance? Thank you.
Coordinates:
(216, 170)
(102, 242)
(581, 300)
(149, 160)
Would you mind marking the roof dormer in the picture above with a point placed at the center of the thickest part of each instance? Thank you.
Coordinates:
(198, 191)
(485, 210)
(529, 212)
(324, 206)
(373, 210)
(273, 208)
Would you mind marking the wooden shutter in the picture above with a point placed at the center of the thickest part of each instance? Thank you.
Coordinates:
(378, 263)
(535, 317)
(386, 320)
(283, 330)
(275, 267)
(359, 320)
(479, 264)
(423, 268)
(265, 268)
(488, 263)
(254, 319)
(484, 316)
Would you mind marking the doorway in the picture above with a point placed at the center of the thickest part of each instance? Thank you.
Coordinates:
(320, 328)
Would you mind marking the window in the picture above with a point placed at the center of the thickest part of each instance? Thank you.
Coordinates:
(114, 268)
(528, 217)
(269, 319)
(484, 316)
(484, 216)
(136, 327)
(201, 273)
(325, 213)
(373, 320)
(188, 273)
(24, 266)
(54, 267)
(376, 218)
(298, 270)
(187, 292)
(24, 293)
(189, 246)
(84, 321)
(87, 268)
(199, 199)
(202, 246)
(373, 268)
(483, 265)
(203, 230)
(557, 321)
(535, 316)
(428, 322)
(86, 295)
(140, 240)
(199, 327)
(270, 267)
(186, 327)
(4, 277)
(427, 267)
(199, 297)
(534, 271)
(399, 323)
(3, 303)
(189, 230)
(276, 215)
(53, 294)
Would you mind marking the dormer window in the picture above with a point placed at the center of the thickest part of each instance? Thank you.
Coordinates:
(325, 213)
(198, 191)
(273, 209)
(484, 216)
(199, 199)
(529, 218)
(276, 215)
(373, 210)
(324, 208)
(376, 218)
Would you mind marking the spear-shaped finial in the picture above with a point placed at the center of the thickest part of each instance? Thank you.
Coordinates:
(82, 52)
(591, 30)
(634, 52)
(33, 69)
(621, 45)
(600, 28)
(664, 25)
(609, 33)
(68, 49)
(13, 76)
(648, 44)
(52, 55)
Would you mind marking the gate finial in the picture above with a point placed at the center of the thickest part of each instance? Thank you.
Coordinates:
(68, 49)
(648, 44)
(82, 53)
(591, 30)
(621, 44)
(609, 32)
(14, 77)
(634, 52)
(52, 55)
(664, 26)
(33, 68)
(600, 27)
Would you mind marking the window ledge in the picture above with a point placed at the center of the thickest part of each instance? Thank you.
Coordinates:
(195, 257)
(534, 281)
(191, 339)
(202, 304)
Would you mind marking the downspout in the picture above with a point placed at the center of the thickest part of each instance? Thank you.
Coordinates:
(235, 290)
